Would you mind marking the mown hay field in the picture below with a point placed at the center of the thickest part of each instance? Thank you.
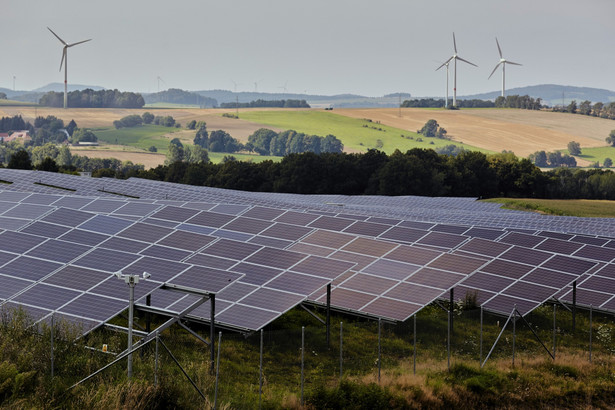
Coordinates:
(520, 131)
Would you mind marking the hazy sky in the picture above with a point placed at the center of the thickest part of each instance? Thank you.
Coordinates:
(317, 46)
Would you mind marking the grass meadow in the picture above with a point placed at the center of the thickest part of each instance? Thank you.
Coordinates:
(368, 381)
(596, 154)
(141, 137)
(357, 135)
(568, 207)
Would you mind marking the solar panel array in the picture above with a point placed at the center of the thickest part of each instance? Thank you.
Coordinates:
(287, 248)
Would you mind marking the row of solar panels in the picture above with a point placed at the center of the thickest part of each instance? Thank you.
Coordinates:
(464, 211)
(389, 280)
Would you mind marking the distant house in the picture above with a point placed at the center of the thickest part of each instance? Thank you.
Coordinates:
(3, 135)
(21, 136)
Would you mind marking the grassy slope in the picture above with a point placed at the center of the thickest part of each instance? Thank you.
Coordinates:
(356, 134)
(141, 137)
(570, 207)
(597, 154)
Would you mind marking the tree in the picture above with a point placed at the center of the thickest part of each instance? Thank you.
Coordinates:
(585, 107)
(611, 138)
(65, 158)
(191, 125)
(48, 165)
(83, 135)
(574, 148)
(429, 129)
(572, 107)
(152, 149)
(539, 158)
(20, 160)
(201, 137)
(607, 163)
(148, 117)
(2, 96)
(175, 153)
(70, 128)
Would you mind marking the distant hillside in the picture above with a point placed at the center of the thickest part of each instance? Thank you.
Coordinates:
(551, 94)
(314, 100)
(177, 96)
(59, 87)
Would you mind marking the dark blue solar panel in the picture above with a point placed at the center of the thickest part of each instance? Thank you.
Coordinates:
(106, 260)
(105, 224)
(237, 236)
(84, 237)
(58, 251)
(46, 296)
(45, 229)
(29, 268)
(10, 285)
(96, 307)
(18, 242)
(67, 217)
(77, 278)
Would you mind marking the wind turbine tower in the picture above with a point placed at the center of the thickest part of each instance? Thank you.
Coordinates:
(445, 64)
(65, 62)
(503, 63)
(454, 58)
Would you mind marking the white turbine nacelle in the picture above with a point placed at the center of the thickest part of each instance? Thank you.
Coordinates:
(503, 63)
(454, 58)
(64, 61)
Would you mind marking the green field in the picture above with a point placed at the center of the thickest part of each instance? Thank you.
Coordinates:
(9, 103)
(139, 137)
(568, 207)
(216, 157)
(596, 154)
(355, 134)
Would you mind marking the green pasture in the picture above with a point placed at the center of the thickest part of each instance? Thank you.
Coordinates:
(355, 134)
(140, 137)
(567, 207)
(10, 103)
(596, 154)
(170, 105)
(216, 157)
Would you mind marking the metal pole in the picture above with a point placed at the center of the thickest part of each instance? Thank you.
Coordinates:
(591, 329)
(341, 350)
(328, 319)
(574, 306)
(131, 284)
(212, 329)
(514, 334)
(450, 311)
(217, 371)
(481, 336)
(156, 362)
(52, 336)
(148, 316)
(379, 331)
(448, 344)
(302, 358)
(260, 375)
(414, 348)
(554, 308)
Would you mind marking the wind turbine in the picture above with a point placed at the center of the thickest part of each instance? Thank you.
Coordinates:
(455, 57)
(65, 62)
(503, 63)
(159, 80)
(445, 64)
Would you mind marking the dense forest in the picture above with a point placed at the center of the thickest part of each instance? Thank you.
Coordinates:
(178, 96)
(268, 104)
(89, 98)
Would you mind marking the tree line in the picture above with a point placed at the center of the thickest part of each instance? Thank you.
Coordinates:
(268, 142)
(89, 98)
(440, 103)
(524, 102)
(268, 104)
(587, 108)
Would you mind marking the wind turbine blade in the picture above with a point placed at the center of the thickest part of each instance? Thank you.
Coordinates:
(80, 42)
(63, 57)
(499, 49)
(466, 61)
(58, 37)
(496, 67)
(445, 63)
(510, 62)
(454, 43)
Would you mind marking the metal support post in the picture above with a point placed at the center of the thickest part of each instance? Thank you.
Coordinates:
(481, 336)
(260, 374)
(379, 347)
(156, 361)
(414, 348)
(302, 358)
(217, 371)
(328, 320)
(574, 306)
(554, 309)
(514, 335)
(591, 330)
(448, 344)
(212, 329)
(341, 350)
(450, 311)
(131, 308)
(148, 315)
(52, 347)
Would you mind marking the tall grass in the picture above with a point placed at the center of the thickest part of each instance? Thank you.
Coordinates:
(533, 381)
